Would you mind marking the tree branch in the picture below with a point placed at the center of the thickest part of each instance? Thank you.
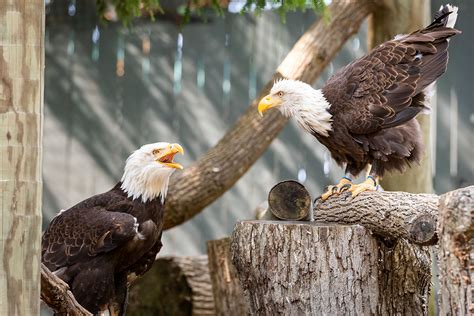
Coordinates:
(389, 214)
(57, 295)
(210, 176)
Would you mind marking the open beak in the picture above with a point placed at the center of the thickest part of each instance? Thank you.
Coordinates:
(267, 103)
(167, 156)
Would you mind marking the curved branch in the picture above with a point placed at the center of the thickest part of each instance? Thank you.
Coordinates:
(389, 214)
(210, 176)
(57, 295)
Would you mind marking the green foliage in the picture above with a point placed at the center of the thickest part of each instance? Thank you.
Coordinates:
(127, 10)
(284, 6)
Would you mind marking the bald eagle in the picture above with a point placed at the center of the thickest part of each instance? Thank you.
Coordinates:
(101, 244)
(365, 114)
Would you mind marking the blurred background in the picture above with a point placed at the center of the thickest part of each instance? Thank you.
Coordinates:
(109, 89)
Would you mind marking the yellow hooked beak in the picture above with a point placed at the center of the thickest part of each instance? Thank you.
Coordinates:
(166, 156)
(267, 103)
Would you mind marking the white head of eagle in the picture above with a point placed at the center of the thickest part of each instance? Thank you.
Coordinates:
(299, 100)
(148, 169)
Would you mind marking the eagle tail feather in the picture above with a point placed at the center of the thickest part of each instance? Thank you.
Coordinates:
(447, 15)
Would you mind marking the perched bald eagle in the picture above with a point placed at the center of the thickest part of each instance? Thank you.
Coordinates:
(101, 244)
(365, 114)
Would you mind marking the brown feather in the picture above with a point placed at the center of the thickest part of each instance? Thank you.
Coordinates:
(94, 245)
(375, 98)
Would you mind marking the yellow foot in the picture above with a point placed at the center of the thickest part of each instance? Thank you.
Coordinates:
(370, 184)
(343, 185)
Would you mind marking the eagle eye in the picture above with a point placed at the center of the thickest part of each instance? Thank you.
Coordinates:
(280, 94)
(156, 151)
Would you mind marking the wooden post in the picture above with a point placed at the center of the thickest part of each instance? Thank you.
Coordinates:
(229, 297)
(21, 116)
(456, 233)
(390, 18)
(298, 268)
(174, 286)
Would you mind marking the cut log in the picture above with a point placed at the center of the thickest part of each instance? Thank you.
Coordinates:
(301, 268)
(389, 214)
(289, 200)
(173, 286)
(229, 297)
(456, 233)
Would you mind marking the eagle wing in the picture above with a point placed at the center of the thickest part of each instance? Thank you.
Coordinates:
(85, 231)
(382, 89)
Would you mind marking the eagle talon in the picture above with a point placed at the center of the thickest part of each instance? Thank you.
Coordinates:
(370, 184)
(345, 187)
(336, 189)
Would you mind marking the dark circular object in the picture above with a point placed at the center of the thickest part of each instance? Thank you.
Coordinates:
(289, 200)
(423, 229)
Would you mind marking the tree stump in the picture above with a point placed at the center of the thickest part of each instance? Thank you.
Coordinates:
(301, 268)
(174, 286)
(456, 233)
(229, 297)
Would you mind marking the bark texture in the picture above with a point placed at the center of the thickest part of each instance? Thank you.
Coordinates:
(296, 268)
(456, 230)
(388, 214)
(174, 286)
(21, 105)
(229, 297)
(389, 18)
(210, 176)
(56, 294)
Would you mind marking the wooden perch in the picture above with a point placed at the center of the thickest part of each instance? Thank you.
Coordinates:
(389, 214)
(304, 268)
(456, 234)
(56, 294)
(229, 298)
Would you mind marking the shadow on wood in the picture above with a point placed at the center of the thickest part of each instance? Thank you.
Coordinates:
(173, 286)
